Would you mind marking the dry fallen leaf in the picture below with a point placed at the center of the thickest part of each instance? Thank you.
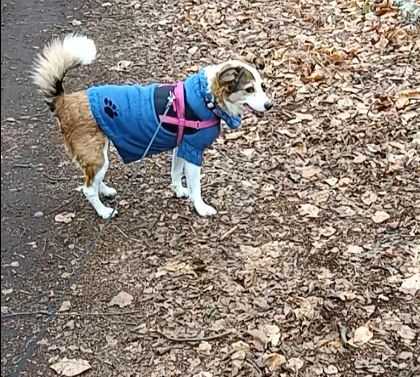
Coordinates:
(273, 334)
(314, 77)
(241, 346)
(411, 285)
(310, 171)
(332, 181)
(361, 336)
(309, 210)
(203, 374)
(294, 364)
(354, 249)
(380, 216)
(327, 231)
(70, 367)
(248, 152)
(369, 197)
(330, 369)
(65, 306)
(122, 300)
(359, 159)
(179, 267)
(272, 361)
(406, 332)
(204, 347)
(65, 217)
(193, 50)
(260, 338)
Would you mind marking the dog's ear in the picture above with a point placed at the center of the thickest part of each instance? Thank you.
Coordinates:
(229, 74)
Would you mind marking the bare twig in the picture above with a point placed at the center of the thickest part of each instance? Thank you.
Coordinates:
(30, 166)
(126, 236)
(56, 178)
(58, 208)
(195, 339)
(369, 110)
(45, 246)
(228, 233)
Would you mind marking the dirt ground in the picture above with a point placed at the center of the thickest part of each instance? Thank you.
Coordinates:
(310, 268)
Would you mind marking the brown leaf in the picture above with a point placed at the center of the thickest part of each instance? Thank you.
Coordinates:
(273, 361)
(241, 346)
(259, 336)
(330, 369)
(361, 336)
(310, 171)
(65, 217)
(380, 216)
(204, 347)
(315, 76)
(65, 306)
(411, 285)
(359, 159)
(406, 332)
(122, 300)
(332, 181)
(273, 334)
(369, 197)
(294, 364)
(70, 367)
(309, 210)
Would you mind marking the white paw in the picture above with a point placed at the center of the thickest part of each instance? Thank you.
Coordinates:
(180, 191)
(107, 191)
(106, 212)
(205, 210)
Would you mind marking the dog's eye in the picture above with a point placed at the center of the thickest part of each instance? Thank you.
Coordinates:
(250, 89)
(263, 87)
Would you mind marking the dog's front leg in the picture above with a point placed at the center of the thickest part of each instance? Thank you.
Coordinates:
(177, 172)
(192, 173)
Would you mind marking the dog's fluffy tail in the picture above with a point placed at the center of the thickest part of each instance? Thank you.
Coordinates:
(59, 56)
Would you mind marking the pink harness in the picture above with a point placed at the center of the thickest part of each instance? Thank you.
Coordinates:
(179, 107)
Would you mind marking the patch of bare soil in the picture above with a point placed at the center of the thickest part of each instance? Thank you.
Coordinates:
(311, 267)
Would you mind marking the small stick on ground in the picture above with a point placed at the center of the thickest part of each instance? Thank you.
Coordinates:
(228, 233)
(56, 178)
(58, 208)
(196, 339)
(127, 236)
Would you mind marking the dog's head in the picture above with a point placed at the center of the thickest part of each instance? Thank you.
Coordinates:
(237, 86)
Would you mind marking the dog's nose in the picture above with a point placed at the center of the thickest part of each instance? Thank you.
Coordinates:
(268, 105)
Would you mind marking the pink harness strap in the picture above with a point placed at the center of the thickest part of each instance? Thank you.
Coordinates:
(180, 121)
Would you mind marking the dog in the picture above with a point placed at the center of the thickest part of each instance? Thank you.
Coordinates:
(130, 115)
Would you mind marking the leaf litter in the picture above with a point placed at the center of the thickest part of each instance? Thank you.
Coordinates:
(317, 231)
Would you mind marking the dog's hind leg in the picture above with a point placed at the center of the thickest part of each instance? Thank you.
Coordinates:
(103, 188)
(95, 170)
(177, 172)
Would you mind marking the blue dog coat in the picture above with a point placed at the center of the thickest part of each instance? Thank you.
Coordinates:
(128, 117)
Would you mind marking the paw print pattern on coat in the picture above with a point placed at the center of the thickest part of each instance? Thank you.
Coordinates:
(110, 108)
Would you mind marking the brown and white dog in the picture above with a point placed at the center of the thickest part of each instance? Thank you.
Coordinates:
(234, 85)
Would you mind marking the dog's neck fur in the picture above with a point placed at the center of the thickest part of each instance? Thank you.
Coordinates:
(200, 85)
